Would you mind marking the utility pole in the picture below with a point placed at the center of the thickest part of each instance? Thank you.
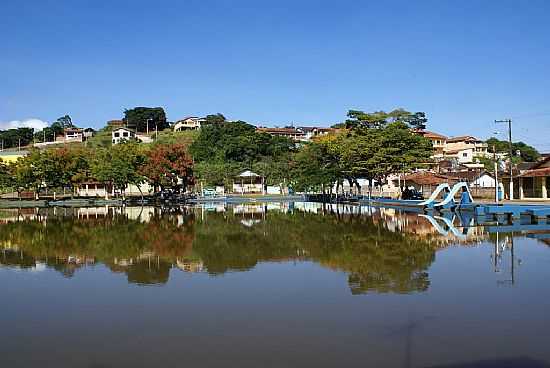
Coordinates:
(496, 173)
(509, 121)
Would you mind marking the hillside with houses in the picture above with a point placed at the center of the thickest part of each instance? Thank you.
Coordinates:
(380, 153)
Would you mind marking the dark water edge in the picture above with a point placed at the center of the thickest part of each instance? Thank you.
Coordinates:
(273, 286)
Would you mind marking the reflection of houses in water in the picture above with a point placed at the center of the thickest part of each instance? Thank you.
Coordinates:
(250, 213)
(142, 214)
(441, 229)
(13, 257)
(192, 266)
(8, 215)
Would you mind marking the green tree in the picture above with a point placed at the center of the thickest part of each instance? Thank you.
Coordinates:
(119, 165)
(315, 168)
(215, 119)
(6, 176)
(140, 117)
(527, 153)
(14, 137)
(65, 121)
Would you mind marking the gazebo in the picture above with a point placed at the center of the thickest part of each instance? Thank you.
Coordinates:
(248, 182)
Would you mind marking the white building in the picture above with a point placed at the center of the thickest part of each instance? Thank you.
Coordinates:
(248, 182)
(465, 149)
(189, 123)
(122, 134)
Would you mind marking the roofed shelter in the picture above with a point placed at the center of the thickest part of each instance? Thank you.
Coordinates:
(248, 182)
(535, 182)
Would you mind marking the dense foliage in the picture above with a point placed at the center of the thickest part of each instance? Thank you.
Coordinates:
(526, 152)
(140, 118)
(373, 146)
(118, 165)
(368, 145)
(12, 138)
(222, 150)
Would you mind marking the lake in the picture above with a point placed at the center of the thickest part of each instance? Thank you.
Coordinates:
(270, 285)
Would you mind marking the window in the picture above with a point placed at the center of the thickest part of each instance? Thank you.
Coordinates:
(125, 134)
(117, 134)
(465, 154)
(114, 141)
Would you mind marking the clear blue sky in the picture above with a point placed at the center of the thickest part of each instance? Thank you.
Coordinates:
(465, 63)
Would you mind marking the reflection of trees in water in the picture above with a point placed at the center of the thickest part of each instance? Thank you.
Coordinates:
(375, 258)
(66, 243)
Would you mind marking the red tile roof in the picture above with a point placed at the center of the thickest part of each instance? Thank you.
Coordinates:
(428, 134)
(463, 139)
(545, 171)
(428, 178)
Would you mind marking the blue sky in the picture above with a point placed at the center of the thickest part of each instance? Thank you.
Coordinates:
(465, 63)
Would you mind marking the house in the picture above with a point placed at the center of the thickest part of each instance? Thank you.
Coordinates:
(535, 182)
(189, 123)
(312, 132)
(288, 132)
(94, 188)
(248, 182)
(122, 134)
(465, 149)
(73, 134)
(439, 142)
(477, 178)
(88, 133)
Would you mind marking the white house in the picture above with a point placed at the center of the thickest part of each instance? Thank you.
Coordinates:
(465, 148)
(122, 134)
(189, 123)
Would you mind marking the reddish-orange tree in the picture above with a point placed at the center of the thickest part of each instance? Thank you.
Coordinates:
(169, 166)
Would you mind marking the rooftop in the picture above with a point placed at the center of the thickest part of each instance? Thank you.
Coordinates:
(463, 138)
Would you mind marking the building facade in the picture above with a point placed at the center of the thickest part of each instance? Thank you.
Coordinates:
(122, 134)
(189, 123)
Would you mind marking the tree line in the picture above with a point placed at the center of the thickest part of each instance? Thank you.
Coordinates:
(163, 166)
(368, 145)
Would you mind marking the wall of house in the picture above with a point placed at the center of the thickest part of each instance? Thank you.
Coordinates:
(485, 181)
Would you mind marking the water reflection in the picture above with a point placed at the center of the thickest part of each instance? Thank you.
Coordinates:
(381, 250)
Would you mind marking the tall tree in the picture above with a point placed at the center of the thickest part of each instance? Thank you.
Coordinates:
(65, 122)
(169, 166)
(526, 153)
(314, 168)
(215, 119)
(119, 165)
(140, 117)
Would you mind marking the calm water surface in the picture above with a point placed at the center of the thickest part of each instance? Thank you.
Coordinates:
(278, 285)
